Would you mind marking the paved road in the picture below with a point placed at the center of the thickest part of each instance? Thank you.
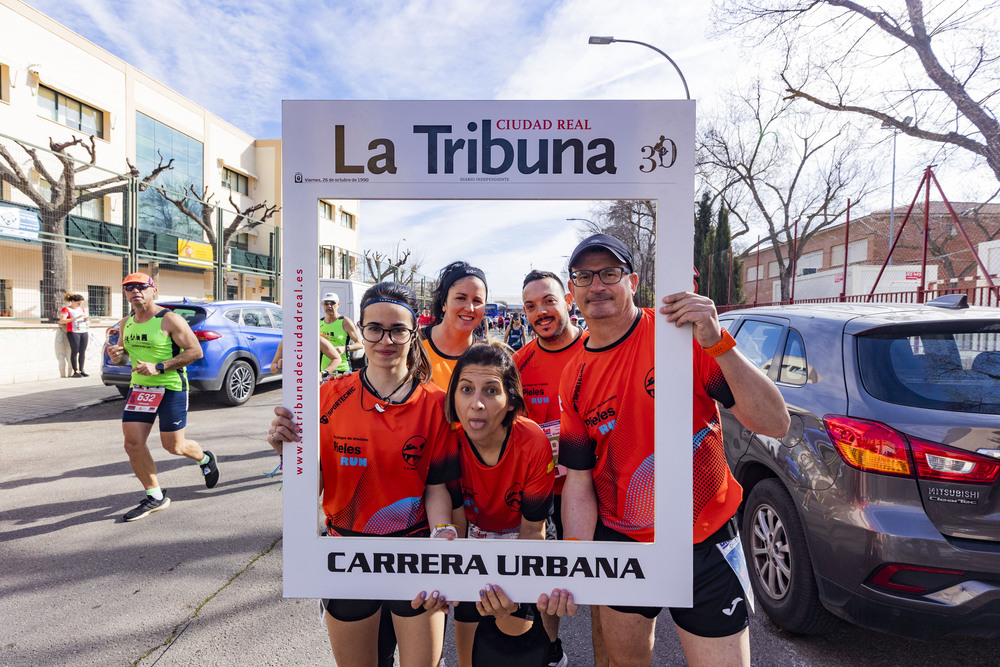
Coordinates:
(200, 583)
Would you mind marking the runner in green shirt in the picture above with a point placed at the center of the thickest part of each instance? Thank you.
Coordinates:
(159, 343)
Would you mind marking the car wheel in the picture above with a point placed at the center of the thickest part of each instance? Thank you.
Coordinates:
(237, 387)
(781, 571)
(122, 390)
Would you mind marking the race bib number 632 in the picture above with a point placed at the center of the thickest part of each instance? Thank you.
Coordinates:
(145, 399)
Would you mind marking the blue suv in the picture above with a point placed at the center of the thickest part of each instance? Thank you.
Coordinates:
(238, 340)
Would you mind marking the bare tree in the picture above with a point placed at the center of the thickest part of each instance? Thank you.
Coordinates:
(936, 64)
(203, 213)
(64, 194)
(633, 222)
(393, 265)
(776, 169)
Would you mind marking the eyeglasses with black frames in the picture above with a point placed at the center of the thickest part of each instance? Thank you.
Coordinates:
(373, 333)
(131, 287)
(610, 275)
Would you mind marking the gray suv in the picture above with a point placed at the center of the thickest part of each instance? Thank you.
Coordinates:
(881, 505)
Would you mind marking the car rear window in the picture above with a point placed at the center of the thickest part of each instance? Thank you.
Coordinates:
(954, 367)
(192, 315)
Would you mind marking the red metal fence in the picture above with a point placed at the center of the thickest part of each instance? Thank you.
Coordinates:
(977, 296)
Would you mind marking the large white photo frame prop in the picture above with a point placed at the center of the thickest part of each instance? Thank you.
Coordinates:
(489, 150)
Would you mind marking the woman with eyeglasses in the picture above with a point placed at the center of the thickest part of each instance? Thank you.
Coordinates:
(458, 305)
(379, 410)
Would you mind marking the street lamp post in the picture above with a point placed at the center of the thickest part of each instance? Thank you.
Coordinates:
(594, 39)
(892, 194)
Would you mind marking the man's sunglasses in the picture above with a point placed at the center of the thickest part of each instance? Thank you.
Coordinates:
(131, 287)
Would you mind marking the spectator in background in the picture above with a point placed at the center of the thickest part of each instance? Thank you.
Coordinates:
(74, 317)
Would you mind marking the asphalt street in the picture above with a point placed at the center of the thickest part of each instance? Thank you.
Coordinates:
(200, 583)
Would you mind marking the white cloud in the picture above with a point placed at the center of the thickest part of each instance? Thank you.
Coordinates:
(506, 239)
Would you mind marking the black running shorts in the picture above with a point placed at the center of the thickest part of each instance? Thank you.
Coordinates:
(719, 603)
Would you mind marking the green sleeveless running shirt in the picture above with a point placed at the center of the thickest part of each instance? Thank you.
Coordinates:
(146, 341)
(334, 332)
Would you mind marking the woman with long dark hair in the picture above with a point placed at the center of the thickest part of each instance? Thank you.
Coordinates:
(378, 409)
(458, 305)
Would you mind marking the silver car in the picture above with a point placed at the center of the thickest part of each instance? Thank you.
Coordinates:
(881, 505)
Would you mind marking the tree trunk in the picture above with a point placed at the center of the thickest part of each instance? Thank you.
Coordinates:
(55, 266)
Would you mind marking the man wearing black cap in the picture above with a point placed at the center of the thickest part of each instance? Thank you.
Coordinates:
(606, 442)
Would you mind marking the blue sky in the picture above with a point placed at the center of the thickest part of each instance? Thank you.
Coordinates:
(240, 59)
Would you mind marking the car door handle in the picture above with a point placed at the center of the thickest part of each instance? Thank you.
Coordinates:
(252, 337)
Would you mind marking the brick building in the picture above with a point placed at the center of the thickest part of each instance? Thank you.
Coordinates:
(819, 272)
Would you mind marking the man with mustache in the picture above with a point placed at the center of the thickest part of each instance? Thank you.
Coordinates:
(606, 443)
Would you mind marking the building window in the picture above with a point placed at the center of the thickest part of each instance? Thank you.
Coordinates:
(153, 139)
(71, 113)
(4, 83)
(858, 253)
(92, 209)
(346, 220)
(812, 260)
(325, 211)
(241, 242)
(99, 300)
(6, 298)
(345, 265)
(772, 269)
(235, 181)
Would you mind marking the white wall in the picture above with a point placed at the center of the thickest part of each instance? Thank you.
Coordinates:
(41, 352)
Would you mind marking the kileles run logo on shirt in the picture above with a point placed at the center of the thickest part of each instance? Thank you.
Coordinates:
(413, 451)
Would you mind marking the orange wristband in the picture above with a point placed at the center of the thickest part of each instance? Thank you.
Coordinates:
(727, 343)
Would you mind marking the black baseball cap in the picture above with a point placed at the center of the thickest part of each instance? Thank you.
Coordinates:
(602, 242)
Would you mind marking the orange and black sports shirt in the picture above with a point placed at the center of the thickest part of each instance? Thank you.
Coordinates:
(519, 485)
(441, 364)
(377, 463)
(541, 371)
(607, 427)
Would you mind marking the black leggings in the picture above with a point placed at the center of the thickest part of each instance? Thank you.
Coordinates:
(77, 349)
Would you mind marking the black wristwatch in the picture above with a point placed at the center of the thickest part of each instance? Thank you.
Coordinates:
(159, 367)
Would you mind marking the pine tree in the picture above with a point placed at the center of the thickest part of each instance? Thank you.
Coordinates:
(721, 244)
(703, 240)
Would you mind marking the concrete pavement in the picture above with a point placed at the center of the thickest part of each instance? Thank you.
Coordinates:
(200, 583)
(24, 401)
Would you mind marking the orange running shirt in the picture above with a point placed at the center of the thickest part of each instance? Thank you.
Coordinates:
(540, 371)
(441, 364)
(607, 427)
(377, 465)
(519, 485)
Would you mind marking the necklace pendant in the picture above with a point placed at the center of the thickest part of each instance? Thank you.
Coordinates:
(379, 408)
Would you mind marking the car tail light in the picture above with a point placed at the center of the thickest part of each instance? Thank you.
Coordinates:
(112, 332)
(913, 578)
(869, 445)
(875, 447)
(205, 334)
(946, 464)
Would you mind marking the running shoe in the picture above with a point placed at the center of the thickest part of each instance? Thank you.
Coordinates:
(211, 470)
(149, 504)
(557, 658)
